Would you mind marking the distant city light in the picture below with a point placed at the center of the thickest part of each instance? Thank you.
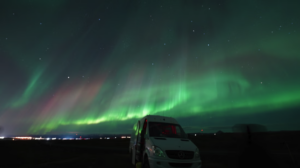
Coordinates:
(23, 138)
(54, 138)
(214, 133)
(195, 134)
(68, 138)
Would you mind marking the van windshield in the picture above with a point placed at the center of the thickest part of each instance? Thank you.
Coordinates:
(157, 129)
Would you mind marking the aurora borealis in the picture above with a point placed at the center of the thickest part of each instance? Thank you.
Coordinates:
(98, 66)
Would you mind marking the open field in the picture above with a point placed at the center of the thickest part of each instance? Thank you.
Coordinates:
(216, 152)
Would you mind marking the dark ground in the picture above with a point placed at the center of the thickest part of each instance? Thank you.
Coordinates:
(221, 151)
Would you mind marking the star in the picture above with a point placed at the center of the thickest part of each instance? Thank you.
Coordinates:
(41, 23)
(193, 30)
(164, 43)
(260, 82)
(191, 21)
(208, 45)
(68, 77)
(40, 58)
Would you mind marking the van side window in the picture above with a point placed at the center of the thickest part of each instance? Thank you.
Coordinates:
(137, 128)
(133, 130)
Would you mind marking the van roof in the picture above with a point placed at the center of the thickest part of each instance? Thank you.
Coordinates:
(158, 118)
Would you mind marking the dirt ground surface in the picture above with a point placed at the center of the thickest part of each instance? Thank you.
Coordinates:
(216, 152)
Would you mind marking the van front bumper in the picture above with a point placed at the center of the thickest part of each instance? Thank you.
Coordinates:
(171, 163)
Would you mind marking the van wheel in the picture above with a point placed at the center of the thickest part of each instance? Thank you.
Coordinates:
(146, 163)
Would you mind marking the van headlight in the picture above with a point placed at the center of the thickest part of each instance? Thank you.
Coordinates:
(158, 152)
(197, 154)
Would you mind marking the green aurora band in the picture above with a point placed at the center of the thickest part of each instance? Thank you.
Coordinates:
(155, 62)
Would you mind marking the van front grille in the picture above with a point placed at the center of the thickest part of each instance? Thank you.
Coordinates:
(180, 164)
(179, 154)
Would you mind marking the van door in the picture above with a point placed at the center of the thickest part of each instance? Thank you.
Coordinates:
(136, 144)
(141, 141)
(132, 138)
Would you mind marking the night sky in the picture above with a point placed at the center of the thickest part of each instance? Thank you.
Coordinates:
(70, 66)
